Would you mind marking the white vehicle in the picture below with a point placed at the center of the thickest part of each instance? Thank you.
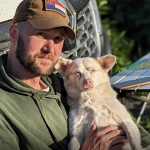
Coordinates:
(91, 40)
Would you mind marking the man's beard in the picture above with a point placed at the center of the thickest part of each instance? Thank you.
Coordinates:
(29, 62)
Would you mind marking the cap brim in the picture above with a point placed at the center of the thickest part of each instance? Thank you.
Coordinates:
(46, 23)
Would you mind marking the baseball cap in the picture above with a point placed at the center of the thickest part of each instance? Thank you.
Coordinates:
(44, 14)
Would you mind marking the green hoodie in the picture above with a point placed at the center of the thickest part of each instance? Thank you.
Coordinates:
(31, 119)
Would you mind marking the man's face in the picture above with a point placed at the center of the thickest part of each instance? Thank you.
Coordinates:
(38, 50)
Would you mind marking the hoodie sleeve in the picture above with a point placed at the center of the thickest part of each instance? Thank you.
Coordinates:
(8, 138)
(145, 136)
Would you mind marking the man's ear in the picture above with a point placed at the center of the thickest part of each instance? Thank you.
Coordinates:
(13, 33)
(62, 65)
(107, 61)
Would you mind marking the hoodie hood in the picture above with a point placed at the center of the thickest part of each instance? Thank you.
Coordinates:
(20, 101)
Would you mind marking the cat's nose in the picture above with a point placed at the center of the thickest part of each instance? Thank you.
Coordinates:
(88, 83)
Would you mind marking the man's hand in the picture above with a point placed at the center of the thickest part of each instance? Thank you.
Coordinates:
(109, 138)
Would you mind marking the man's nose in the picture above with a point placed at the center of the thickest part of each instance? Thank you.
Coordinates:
(48, 47)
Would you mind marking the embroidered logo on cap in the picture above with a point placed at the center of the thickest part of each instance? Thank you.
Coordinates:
(55, 6)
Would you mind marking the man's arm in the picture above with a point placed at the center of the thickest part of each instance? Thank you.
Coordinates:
(8, 139)
(145, 136)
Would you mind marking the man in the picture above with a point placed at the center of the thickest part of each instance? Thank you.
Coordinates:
(33, 110)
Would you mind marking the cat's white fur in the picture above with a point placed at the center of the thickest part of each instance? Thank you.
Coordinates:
(92, 99)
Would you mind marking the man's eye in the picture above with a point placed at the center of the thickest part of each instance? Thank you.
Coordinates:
(40, 34)
(58, 39)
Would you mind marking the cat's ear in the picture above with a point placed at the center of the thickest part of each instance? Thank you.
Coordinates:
(62, 65)
(107, 61)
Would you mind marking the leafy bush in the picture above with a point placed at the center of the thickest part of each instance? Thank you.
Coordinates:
(127, 24)
(120, 44)
(145, 121)
(134, 17)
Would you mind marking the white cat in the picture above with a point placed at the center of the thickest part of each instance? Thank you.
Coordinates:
(92, 99)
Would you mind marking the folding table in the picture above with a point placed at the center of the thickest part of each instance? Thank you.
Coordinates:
(135, 78)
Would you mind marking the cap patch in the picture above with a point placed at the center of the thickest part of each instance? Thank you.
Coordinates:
(55, 6)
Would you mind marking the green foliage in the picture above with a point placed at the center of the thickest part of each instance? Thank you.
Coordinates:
(131, 16)
(127, 23)
(145, 121)
(133, 117)
(121, 46)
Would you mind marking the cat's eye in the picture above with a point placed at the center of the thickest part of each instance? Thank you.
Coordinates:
(92, 70)
(77, 72)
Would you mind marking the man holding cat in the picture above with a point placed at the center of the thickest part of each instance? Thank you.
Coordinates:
(32, 102)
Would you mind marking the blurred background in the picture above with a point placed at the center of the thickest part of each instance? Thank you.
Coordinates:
(127, 23)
